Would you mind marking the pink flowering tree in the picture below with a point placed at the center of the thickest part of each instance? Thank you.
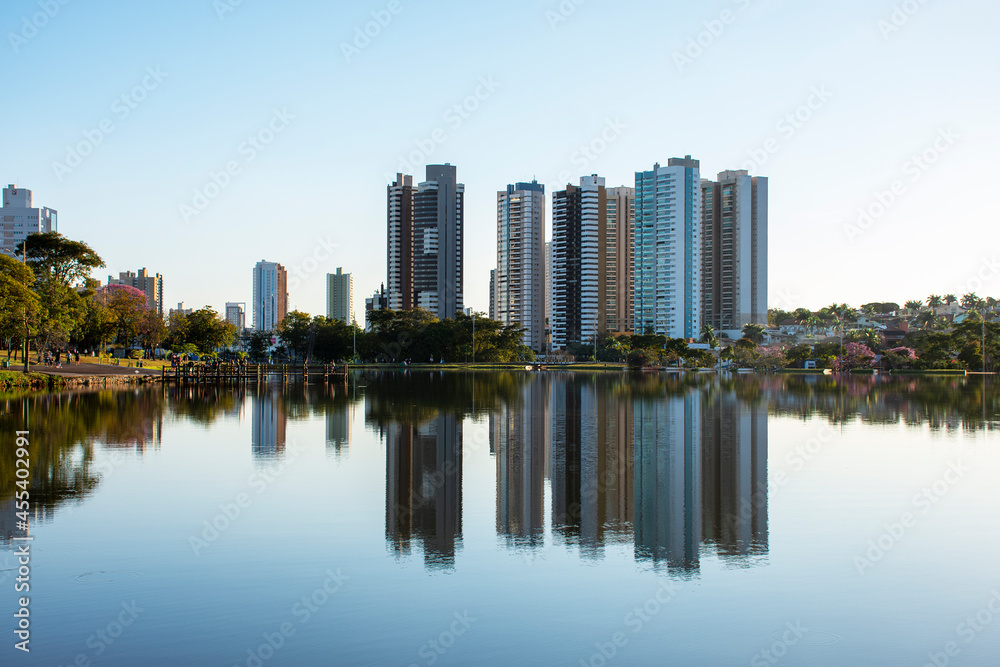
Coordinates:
(900, 357)
(772, 356)
(856, 355)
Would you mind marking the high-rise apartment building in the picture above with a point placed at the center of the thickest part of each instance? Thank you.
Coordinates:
(426, 242)
(236, 314)
(438, 231)
(19, 219)
(180, 310)
(575, 234)
(270, 295)
(591, 262)
(378, 301)
(734, 251)
(668, 220)
(340, 296)
(493, 294)
(520, 273)
(618, 261)
(548, 284)
(150, 285)
(400, 243)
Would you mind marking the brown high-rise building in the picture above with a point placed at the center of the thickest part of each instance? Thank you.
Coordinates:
(425, 242)
(618, 258)
(734, 252)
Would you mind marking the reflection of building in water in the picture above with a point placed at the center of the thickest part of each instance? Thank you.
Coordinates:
(269, 425)
(668, 480)
(338, 428)
(734, 473)
(701, 478)
(424, 488)
(519, 437)
(591, 464)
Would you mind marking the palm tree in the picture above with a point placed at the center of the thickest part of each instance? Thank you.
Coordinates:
(934, 301)
(814, 322)
(914, 305)
(924, 320)
(708, 336)
(950, 299)
(972, 301)
(754, 333)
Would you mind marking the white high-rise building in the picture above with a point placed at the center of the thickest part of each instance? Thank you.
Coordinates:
(340, 296)
(236, 314)
(668, 257)
(734, 251)
(399, 288)
(19, 219)
(270, 295)
(520, 273)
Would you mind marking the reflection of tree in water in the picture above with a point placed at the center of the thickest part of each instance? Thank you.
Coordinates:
(64, 429)
(418, 395)
(944, 402)
(204, 404)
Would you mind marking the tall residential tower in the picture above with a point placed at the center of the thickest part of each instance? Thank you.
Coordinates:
(520, 273)
(425, 242)
(19, 219)
(270, 295)
(734, 252)
(340, 296)
(668, 223)
(150, 285)
(399, 288)
(592, 262)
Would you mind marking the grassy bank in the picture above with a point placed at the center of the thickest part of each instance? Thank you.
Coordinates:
(930, 372)
(16, 380)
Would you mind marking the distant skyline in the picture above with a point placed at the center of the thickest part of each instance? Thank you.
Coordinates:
(272, 131)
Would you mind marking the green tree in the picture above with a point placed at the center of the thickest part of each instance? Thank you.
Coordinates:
(152, 330)
(870, 338)
(19, 304)
(258, 345)
(203, 328)
(972, 301)
(709, 336)
(296, 331)
(58, 263)
(126, 307)
(934, 301)
(755, 333)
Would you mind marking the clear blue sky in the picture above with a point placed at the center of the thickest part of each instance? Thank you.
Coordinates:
(558, 79)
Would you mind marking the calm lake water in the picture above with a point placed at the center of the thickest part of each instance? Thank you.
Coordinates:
(511, 519)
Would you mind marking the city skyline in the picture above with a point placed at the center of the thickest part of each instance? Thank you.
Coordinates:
(871, 126)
